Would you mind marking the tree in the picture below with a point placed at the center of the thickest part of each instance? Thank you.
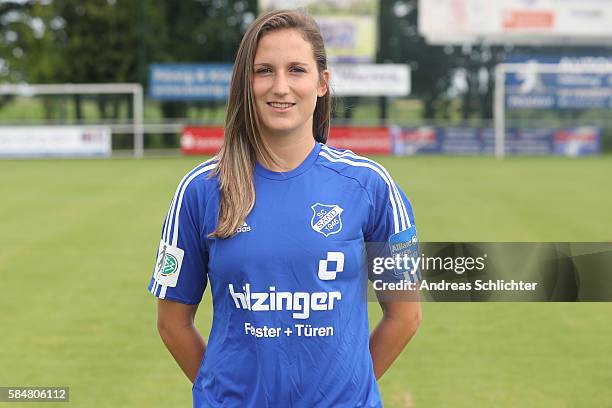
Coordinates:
(96, 40)
(29, 46)
(400, 42)
(436, 68)
(201, 31)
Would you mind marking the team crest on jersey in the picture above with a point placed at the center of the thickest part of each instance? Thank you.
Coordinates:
(326, 219)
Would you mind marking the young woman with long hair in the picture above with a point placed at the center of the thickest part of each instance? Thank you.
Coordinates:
(277, 224)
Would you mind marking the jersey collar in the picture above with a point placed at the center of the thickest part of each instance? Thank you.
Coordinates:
(280, 175)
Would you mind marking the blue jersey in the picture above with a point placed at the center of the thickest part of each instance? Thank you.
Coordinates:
(290, 321)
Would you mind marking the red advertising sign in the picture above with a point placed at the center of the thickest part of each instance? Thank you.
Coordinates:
(585, 135)
(578, 141)
(528, 19)
(201, 140)
(361, 140)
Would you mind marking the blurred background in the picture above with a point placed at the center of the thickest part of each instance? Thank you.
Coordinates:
(438, 91)
(422, 73)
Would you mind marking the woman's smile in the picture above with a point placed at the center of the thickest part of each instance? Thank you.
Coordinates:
(280, 106)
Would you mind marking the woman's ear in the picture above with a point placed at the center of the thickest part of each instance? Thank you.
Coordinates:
(323, 87)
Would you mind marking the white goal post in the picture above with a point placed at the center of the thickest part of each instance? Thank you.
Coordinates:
(533, 68)
(90, 89)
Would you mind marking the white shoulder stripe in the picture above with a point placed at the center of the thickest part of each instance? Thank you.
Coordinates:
(370, 166)
(170, 216)
(405, 219)
(162, 292)
(167, 227)
(180, 200)
(403, 212)
(167, 220)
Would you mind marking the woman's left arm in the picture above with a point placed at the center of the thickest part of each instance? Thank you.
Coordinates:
(399, 323)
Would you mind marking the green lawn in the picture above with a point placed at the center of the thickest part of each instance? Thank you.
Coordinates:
(78, 241)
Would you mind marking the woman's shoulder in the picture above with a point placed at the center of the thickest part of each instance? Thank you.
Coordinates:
(199, 181)
(368, 172)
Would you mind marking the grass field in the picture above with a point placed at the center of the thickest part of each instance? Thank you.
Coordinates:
(78, 241)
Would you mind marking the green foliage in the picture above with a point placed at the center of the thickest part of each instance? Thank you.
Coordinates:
(200, 31)
(401, 43)
(116, 40)
(14, 36)
(97, 40)
(434, 66)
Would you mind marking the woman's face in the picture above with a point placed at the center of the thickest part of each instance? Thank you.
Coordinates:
(286, 83)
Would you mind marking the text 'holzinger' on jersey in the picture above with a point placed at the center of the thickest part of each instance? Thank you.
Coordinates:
(300, 302)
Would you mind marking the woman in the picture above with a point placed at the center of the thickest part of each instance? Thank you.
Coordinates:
(277, 223)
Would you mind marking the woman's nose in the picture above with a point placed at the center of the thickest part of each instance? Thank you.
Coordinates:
(281, 85)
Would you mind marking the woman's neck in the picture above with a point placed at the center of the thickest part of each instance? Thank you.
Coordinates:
(289, 151)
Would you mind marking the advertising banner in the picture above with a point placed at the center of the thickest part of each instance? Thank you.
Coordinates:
(361, 140)
(579, 141)
(383, 140)
(201, 140)
(54, 141)
(573, 87)
(516, 21)
(349, 27)
(189, 82)
(349, 39)
(411, 141)
(459, 140)
(370, 79)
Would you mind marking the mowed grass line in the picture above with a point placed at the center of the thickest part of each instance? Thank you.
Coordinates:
(79, 237)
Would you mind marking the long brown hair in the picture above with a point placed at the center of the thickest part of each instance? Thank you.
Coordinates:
(242, 142)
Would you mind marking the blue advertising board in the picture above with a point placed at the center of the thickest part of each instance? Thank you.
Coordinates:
(460, 140)
(577, 141)
(573, 89)
(189, 82)
(535, 141)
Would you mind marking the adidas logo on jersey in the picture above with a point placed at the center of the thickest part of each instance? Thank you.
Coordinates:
(245, 228)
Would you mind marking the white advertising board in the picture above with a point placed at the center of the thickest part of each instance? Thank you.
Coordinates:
(54, 141)
(516, 21)
(370, 79)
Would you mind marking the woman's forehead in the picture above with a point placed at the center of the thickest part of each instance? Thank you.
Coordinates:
(284, 45)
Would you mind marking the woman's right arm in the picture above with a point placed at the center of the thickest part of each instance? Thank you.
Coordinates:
(175, 323)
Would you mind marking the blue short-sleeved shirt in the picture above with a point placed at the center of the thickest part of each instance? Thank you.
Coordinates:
(290, 322)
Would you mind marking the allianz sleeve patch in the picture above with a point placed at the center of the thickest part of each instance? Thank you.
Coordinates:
(405, 243)
(168, 264)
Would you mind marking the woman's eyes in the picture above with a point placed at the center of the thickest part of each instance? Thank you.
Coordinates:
(269, 70)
